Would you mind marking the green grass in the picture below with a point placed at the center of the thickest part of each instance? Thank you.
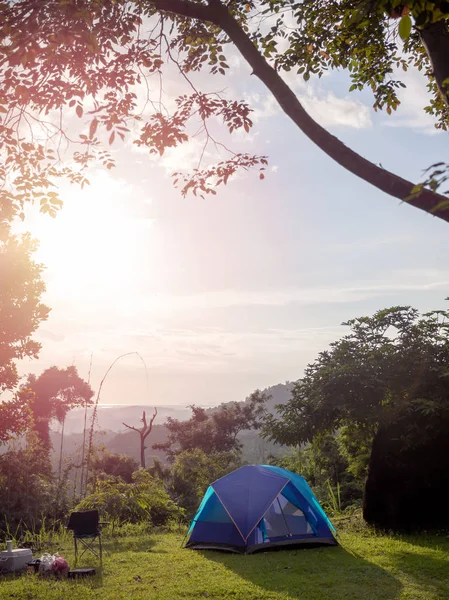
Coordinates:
(364, 566)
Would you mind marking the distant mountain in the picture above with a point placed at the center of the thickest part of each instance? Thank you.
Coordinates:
(110, 417)
(120, 443)
(255, 448)
(280, 394)
(111, 432)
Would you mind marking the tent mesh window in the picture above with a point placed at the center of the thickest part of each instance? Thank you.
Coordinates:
(284, 518)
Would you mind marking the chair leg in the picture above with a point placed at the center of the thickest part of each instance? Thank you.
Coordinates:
(88, 545)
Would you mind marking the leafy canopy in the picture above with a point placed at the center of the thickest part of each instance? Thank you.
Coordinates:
(391, 363)
(21, 309)
(64, 62)
(374, 41)
(51, 395)
(72, 75)
(216, 430)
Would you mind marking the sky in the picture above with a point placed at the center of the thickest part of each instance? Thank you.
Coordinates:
(223, 295)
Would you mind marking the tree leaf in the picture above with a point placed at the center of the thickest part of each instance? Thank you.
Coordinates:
(443, 205)
(93, 128)
(79, 111)
(405, 27)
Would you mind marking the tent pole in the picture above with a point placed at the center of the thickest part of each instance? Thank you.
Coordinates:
(184, 539)
(188, 530)
(285, 520)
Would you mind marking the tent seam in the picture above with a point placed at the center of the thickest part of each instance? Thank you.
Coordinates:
(267, 509)
(229, 514)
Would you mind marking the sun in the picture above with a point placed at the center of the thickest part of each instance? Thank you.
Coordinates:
(92, 249)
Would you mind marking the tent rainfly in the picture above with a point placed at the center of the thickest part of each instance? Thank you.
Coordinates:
(256, 507)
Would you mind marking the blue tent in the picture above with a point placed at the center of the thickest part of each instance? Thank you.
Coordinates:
(257, 507)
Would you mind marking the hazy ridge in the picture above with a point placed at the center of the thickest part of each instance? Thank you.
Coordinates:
(111, 432)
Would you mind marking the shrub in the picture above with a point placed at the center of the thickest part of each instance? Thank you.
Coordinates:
(143, 500)
(29, 496)
(117, 465)
(193, 471)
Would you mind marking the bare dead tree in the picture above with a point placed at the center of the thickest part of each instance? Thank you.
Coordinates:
(95, 411)
(143, 432)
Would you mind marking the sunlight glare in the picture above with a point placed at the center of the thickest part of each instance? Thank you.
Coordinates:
(92, 249)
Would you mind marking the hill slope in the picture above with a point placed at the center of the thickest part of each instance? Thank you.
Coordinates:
(115, 437)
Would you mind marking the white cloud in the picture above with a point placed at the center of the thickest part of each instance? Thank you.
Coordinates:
(331, 111)
(414, 98)
(132, 307)
(324, 107)
(407, 280)
(199, 349)
(186, 157)
(263, 106)
(174, 346)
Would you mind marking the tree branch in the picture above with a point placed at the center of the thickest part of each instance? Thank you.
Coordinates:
(184, 8)
(384, 180)
(148, 429)
(131, 427)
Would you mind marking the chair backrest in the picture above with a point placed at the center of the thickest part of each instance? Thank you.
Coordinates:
(84, 523)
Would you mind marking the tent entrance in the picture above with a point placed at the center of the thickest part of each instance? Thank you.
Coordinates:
(284, 519)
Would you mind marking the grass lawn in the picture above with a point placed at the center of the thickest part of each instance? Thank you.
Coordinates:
(364, 566)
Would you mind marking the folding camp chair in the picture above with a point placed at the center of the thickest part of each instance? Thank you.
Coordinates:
(86, 531)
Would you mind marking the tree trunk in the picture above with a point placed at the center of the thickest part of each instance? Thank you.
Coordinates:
(142, 452)
(61, 449)
(143, 432)
(435, 38)
(408, 469)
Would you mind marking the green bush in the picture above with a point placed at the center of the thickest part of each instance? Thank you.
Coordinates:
(144, 500)
(110, 463)
(324, 466)
(193, 471)
(29, 497)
